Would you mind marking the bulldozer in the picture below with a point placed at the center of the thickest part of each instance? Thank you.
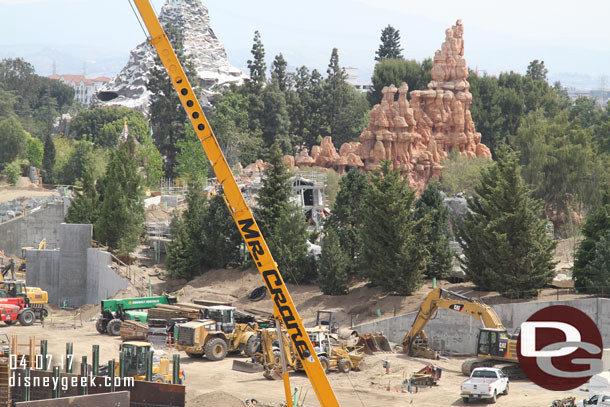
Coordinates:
(332, 355)
(134, 355)
(216, 335)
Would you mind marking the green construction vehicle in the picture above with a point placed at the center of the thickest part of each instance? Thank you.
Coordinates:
(114, 312)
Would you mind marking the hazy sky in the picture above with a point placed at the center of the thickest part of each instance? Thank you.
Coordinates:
(571, 37)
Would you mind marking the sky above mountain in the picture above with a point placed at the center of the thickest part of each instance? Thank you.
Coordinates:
(96, 36)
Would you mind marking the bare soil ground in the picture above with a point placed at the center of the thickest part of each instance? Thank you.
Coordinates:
(215, 384)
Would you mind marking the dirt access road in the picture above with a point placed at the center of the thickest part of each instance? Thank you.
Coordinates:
(368, 387)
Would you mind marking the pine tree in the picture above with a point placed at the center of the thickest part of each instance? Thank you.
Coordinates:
(597, 224)
(278, 71)
(437, 239)
(346, 110)
(599, 268)
(334, 263)
(185, 252)
(48, 159)
(393, 253)
(255, 84)
(84, 208)
(221, 239)
(503, 238)
(257, 65)
(288, 245)
(121, 219)
(167, 114)
(390, 44)
(276, 123)
(346, 217)
(275, 192)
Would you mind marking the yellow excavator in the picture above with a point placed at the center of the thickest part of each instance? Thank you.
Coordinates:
(495, 345)
(283, 307)
(41, 246)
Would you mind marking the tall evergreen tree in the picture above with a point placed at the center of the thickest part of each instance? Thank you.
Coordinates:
(393, 254)
(276, 123)
(288, 245)
(599, 268)
(85, 206)
(166, 111)
(390, 44)
(221, 239)
(503, 237)
(597, 224)
(334, 263)
(255, 84)
(278, 71)
(275, 192)
(346, 216)
(437, 239)
(185, 252)
(536, 70)
(121, 219)
(48, 159)
(345, 108)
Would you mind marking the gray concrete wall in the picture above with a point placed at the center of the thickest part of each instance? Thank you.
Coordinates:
(455, 332)
(43, 271)
(74, 240)
(30, 229)
(76, 273)
(102, 281)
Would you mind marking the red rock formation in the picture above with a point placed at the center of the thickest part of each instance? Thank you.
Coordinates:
(417, 134)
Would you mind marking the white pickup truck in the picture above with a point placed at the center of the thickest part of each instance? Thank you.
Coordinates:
(484, 383)
(597, 400)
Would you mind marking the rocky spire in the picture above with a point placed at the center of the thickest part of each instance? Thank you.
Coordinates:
(191, 17)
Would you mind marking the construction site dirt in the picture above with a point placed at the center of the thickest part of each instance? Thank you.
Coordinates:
(371, 386)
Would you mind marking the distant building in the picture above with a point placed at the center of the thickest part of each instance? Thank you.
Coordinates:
(601, 95)
(352, 79)
(84, 88)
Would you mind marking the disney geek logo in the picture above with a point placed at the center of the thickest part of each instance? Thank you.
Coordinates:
(560, 348)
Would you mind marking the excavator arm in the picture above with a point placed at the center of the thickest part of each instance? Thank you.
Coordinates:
(438, 298)
(284, 307)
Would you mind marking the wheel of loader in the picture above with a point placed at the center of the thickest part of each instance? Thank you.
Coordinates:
(194, 355)
(10, 322)
(114, 327)
(251, 346)
(27, 317)
(99, 326)
(344, 365)
(158, 378)
(216, 349)
(325, 363)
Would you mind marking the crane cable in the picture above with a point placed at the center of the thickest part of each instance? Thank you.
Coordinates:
(138, 18)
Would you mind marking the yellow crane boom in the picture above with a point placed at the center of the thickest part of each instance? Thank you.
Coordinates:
(283, 305)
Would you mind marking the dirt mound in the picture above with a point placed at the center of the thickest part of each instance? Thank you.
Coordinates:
(216, 399)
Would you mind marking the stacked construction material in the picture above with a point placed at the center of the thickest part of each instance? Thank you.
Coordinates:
(165, 311)
(134, 330)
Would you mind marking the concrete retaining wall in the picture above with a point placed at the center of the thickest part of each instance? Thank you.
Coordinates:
(29, 230)
(102, 281)
(455, 332)
(76, 273)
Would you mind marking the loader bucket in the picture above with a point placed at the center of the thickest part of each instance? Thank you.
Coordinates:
(247, 367)
(382, 343)
(367, 344)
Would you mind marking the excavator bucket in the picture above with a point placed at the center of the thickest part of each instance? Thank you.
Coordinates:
(367, 344)
(272, 374)
(382, 343)
(247, 367)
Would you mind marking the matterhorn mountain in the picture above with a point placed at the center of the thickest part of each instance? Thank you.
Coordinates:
(191, 18)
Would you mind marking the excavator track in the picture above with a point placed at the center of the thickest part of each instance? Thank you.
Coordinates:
(511, 370)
